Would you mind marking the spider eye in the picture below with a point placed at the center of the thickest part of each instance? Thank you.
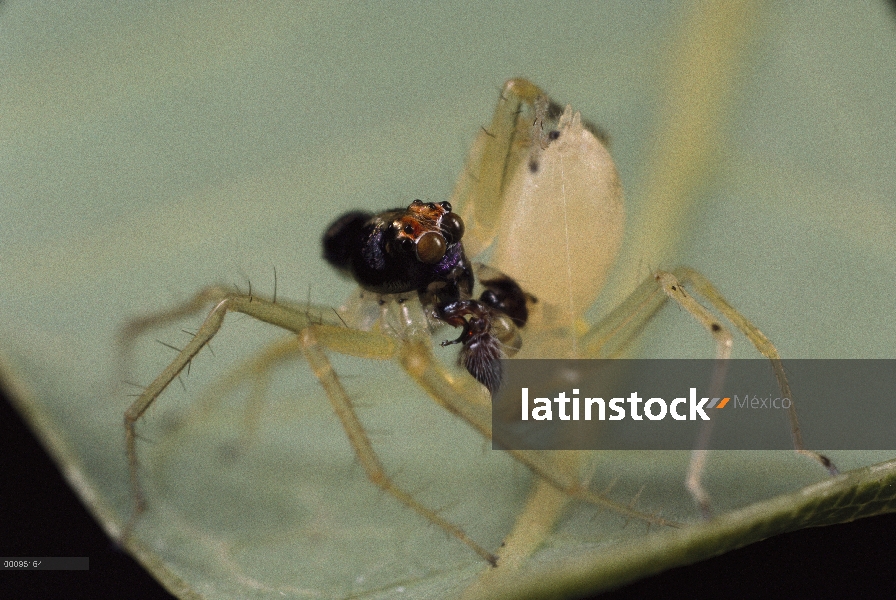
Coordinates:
(431, 247)
(453, 227)
(446, 206)
(408, 229)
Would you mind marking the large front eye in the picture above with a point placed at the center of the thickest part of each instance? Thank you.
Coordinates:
(453, 226)
(431, 247)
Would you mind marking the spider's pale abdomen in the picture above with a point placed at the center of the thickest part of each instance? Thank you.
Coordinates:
(563, 219)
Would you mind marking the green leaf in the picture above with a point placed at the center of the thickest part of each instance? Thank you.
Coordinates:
(150, 151)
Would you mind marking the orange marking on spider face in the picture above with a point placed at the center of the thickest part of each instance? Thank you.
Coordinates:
(411, 227)
(420, 219)
(429, 212)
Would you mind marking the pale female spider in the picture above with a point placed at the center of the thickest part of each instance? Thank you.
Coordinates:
(535, 164)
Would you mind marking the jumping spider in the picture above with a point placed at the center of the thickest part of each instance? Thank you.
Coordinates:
(535, 164)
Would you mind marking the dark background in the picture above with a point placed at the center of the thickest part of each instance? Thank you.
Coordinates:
(40, 516)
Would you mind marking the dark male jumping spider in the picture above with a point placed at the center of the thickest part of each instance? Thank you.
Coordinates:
(419, 249)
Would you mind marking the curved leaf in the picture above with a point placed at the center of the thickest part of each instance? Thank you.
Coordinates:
(154, 150)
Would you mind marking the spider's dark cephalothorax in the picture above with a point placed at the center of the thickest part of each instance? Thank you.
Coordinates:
(418, 249)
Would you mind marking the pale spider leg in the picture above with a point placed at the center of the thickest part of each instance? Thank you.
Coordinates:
(464, 397)
(610, 337)
(493, 160)
(257, 369)
(133, 328)
(671, 286)
(202, 299)
(359, 440)
(283, 315)
(532, 526)
(313, 337)
(706, 289)
(613, 333)
(454, 395)
(535, 523)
